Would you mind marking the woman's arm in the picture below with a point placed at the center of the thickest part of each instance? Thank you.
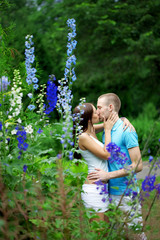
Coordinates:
(135, 166)
(126, 123)
(86, 142)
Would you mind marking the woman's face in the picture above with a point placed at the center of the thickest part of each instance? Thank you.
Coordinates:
(95, 117)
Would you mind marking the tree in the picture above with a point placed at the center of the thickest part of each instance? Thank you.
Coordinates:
(117, 51)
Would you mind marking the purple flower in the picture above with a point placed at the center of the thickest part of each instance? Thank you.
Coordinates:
(150, 158)
(25, 168)
(39, 131)
(103, 188)
(4, 83)
(6, 164)
(134, 194)
(116, 154)
(103, 199)
(110, 200)
(148, 183)
(70, 155)
(157, 187)
(59, 156)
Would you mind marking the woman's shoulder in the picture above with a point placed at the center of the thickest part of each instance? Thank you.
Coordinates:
(83, 136)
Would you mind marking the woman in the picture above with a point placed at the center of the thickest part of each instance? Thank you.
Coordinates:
(95, 154)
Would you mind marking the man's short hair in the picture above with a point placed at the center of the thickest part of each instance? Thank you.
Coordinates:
(112, 98)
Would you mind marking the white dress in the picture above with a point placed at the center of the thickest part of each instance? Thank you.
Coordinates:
(90, 194)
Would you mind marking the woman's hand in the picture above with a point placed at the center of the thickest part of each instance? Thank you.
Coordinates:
(126, 124)
(113, 118)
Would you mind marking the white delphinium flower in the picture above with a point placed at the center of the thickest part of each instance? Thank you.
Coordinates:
(6, 124)
(40, 102)
(30, 95)
(19, 120)
(10, 156)
(12, 103)
(29, 129)
(16, 96)
(14, 131)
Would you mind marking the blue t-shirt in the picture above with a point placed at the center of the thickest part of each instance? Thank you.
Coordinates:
(124, 140)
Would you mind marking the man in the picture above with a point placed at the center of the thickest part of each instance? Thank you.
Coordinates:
(128, 142)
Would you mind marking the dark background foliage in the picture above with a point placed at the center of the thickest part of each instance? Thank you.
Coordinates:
(118, 45)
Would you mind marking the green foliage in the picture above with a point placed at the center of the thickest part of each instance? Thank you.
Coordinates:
(148, 128)
(44, 202)
(118, 52)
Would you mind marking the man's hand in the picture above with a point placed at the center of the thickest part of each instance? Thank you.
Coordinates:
(126, 124)
(99, 175)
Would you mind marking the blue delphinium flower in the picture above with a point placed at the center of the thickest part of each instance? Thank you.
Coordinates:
(64, 97)
(4, 83)
(30, 95)
(31, 107)
(51, 94)
(21, 137)
(35, 86)
(25, 168)
(0, 126)
(116, 154)
(29, 60)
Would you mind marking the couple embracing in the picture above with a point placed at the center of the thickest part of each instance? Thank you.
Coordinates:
(94, 152)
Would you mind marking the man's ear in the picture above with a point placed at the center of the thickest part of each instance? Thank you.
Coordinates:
(111, 107)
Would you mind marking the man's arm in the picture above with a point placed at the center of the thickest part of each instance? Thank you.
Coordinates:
(136, 166)
(98, 127)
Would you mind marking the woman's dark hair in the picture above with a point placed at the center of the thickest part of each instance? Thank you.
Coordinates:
(85, 113)
(81, 115)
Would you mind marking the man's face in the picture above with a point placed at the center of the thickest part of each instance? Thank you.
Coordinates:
(102, 110)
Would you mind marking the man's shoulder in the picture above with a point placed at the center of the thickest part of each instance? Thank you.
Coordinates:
(129, 132)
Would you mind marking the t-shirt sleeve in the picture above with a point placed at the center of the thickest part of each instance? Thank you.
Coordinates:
(130, 139)
(103, 137)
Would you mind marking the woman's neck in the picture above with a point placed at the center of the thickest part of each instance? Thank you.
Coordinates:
(90, 129)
